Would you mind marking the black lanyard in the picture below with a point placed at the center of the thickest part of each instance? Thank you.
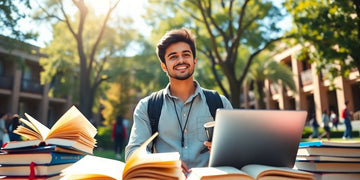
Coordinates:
(187, 119)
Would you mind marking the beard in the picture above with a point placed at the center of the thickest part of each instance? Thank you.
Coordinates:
(184, 76)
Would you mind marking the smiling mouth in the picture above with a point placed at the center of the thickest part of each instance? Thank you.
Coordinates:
(181, 66)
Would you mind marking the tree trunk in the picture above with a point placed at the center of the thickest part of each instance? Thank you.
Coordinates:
(235, 94)
(85, 96)
(260, 97)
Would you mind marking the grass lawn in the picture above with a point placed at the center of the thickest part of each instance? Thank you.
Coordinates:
(107, 153)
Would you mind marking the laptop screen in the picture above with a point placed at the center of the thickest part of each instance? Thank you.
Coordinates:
(267, 137)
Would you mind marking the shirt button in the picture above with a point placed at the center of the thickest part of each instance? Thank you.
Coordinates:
(185, 130)
(184, 114)
(185, 147)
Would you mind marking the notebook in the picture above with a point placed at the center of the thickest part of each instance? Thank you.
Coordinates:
(267, 137)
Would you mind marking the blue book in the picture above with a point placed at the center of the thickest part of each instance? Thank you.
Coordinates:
(43, 148)
(340, 144)
(39, 158)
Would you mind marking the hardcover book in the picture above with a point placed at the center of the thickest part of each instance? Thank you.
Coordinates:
(46, 148)
(36, 170)
(313, 166)
(38, 158)
(330, 159)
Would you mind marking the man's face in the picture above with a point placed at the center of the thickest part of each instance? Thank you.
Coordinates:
(180, 62)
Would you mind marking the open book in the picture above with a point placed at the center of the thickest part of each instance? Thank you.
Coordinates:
(140, 165)
(250, 172)
(72, 131)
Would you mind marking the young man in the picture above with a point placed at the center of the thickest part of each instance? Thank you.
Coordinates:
(184, 110)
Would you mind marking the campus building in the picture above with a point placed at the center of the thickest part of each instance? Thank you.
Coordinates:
(313, 92)
(20, 88)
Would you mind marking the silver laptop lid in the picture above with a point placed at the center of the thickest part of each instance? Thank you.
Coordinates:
(268, 137)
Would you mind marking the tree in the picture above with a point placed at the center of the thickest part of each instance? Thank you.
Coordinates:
(265, 68)
(333, 28)
(223, 29)
(91, 59)
(10, 15)
(133, 77)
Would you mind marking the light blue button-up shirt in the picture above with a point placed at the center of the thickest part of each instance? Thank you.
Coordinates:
(169, 138)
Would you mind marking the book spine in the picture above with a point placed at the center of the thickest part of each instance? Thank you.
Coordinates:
(62, 158)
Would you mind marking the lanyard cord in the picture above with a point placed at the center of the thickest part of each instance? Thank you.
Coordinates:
(187, 119)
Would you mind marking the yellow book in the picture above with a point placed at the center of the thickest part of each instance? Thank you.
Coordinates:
(141, 165)
(248, 172)
(72, 130)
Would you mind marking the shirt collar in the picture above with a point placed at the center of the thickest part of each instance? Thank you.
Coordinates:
(198, 90)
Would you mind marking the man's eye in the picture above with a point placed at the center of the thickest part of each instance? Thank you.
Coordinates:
(173, 57)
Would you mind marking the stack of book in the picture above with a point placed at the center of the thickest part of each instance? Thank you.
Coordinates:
(47, 151)
(330, 159)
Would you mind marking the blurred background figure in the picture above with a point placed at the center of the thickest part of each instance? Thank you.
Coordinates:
(334, 119)
(3, 130)
(315, 127)
(325, 121)
(13, 124)
(119, 135)
(345, 114)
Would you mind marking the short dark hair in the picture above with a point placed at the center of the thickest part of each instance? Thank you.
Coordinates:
(174, 36)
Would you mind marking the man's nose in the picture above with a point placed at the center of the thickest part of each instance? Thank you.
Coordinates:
(181, 59)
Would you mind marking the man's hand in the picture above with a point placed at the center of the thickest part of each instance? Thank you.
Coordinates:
(185, 168)
(208, 145)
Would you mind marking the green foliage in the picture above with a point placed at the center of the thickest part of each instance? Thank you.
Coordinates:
(224, 29)
(332, 27)
(11, 12)
(61, 64)
(66, 66)
(265, 68)
(103, 138)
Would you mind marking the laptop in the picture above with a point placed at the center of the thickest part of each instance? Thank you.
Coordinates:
(267, 137)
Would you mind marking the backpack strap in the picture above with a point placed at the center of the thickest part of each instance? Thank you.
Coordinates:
(156, 100)
(213, 101)
(154, 109)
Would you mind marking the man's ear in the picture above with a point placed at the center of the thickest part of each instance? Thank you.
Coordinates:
(195, 61)
(163, 66)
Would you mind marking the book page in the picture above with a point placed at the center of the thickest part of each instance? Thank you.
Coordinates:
(73, 118)
(224, 172)
(155, 165)
(260, 171)
(92, 167)
(141, 157)
(42, 129)
(28, 133)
